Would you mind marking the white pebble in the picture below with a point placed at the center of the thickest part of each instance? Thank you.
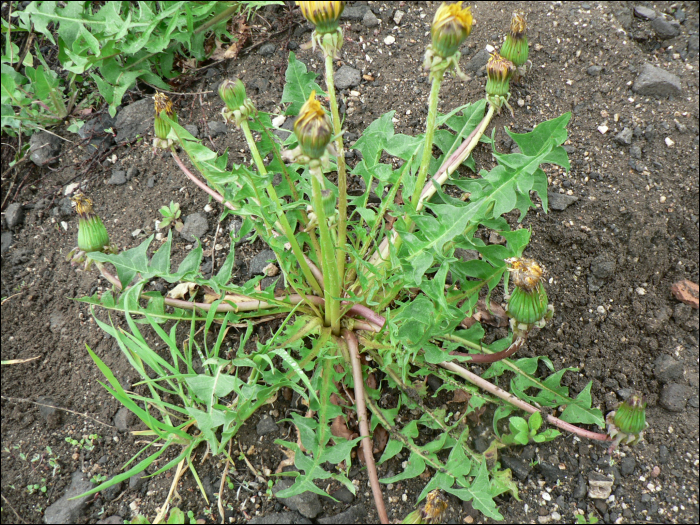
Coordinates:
(490, 48)
(603, 129)
(64, 225)
(278, 121)
(669, 142)
(641, 291)
(556, 516)
(601, 310)
(159, 236)
(389, 40)
(546, 496)
(136, 232)
(208, 208)
(404, 497)
(70, 188)
(662, 199)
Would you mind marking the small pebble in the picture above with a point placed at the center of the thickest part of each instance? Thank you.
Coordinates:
(603, 129)
(389, 40)
(546, 496)
(669, 142)
(135, 232)
(655, 472)
(641, 291)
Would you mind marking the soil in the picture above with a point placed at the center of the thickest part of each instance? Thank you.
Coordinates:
(612, 257)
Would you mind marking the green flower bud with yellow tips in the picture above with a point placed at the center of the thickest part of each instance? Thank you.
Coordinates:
(515, 48)
(323, 15)
(163, 107)
(528, 303)
(451, 25)
(92, 234)
(432, 512)
(499, 71)
(313, 128)
(626, 425)
(238, 106)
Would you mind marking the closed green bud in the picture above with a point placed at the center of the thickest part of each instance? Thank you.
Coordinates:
(515, 48)
(92, 234)
(451, 25)
(323, 15)
(499, 71)
(528, 303)
(232, 92)
(631, 417)
(313, 128)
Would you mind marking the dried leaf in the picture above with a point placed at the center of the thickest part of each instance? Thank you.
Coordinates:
(372, 381)
(183, 289)
(340, 429)
(381, 438)
(496, 317)
(460, 396)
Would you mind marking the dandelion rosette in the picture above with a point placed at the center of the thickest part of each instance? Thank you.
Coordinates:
(515, 48)
(313, 128)
(528, 304)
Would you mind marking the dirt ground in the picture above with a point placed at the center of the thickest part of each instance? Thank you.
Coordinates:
(626, 230)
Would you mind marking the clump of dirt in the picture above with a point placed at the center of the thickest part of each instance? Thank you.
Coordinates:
(622, 230)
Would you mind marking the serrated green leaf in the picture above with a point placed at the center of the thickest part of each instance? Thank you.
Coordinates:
(298, 86)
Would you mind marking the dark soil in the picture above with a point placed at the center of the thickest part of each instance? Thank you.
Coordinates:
(612, 257)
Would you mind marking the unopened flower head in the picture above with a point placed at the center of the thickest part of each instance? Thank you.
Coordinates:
(163, 106)
(499, 71)
(324, 15)
(515, 48)
(451, 25)
(626, 425)
(313, 128)
(232, 92)
(92, 234)
(528, 304)
(432, 512)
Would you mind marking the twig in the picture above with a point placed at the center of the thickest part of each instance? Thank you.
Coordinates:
(13, 509)
(367, 445)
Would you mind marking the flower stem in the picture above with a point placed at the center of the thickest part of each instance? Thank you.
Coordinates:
(342, 175)
(429, 134)
(298, 253)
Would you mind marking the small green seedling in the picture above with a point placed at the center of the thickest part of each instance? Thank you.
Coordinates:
(522, 432)
(37, 487)
(591, 518)
(98, 478)
(171, 216)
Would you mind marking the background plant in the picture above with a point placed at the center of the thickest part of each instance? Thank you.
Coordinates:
(112, 45)
(391, 298)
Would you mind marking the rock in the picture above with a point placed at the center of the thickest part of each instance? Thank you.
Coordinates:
(118, 178)
(644, 12)
(356, 514)
(354, 13)
(636, 152)
(693, 45)
(67, 510)
(664, 454)
(114, 519)
(307, 503)
(14, 215)
(151, 182)
(686, 292)
(135, 119)
(580, 489)
(603, 267)
(217, 128)
(51, 415)
(398, 16)
(599, 486)
(260, 262)
(277, 280)
(667, 369)
(5, 242)
(267, 50)
(624, 137)
(95, 131)
(64, 209)
(280, 518)
(674, 397)
(192, 129)
(343, 495)
(624, 17)
(131, 173)
(389, 40)
(266, 426)
(551, 473)
(347, 77)
(370, 20)
(123, 419)
(43, 148)
(195, 227)
(560, 201)
(684, 317)
(627, 466)
(478, 61)
(594, 71)
(137, 480)
(56, 322)
(112, 492)
(665, 30)
(520, 468)
(655, 81)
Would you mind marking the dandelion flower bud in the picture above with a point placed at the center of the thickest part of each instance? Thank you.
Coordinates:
(515, 47)
(528, 302)
(451, 26)
(232, 92)
(163, 107)
(313, 128)
(432, 512)
(626, 425)
(499, 71)
(323, 15)
(92, 234)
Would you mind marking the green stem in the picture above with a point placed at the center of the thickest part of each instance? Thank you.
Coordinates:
(342, 176)
(331, 287)
(429, 134)
(298, 253)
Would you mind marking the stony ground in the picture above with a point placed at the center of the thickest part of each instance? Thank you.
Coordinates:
(622, 231)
